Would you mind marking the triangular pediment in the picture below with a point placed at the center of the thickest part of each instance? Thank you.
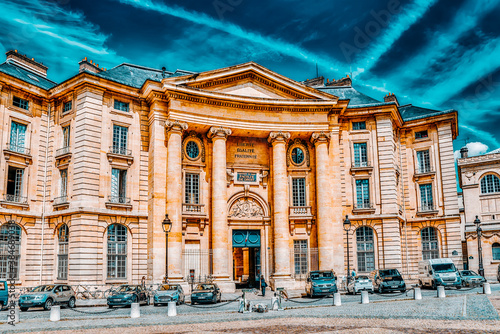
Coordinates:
(250, 80)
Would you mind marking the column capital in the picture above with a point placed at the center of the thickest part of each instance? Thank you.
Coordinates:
(175, 126)
(275, 137)
(218, 132)
(320, 137)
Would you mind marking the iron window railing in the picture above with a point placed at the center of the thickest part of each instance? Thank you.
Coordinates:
(363, 205)
(60, 200)
(62, 151)
(118, 200)
(18, 148)
(16, 199)
(358, 164)
(120, 150)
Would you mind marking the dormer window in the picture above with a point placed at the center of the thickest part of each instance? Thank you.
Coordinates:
(359, 125)
(421, 134)
(20, 103)
(122, 106)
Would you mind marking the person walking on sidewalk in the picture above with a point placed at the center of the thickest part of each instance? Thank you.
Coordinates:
(263, 285)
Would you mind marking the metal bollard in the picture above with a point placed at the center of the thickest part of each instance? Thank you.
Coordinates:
(274, 304)
(55, 313)
(135, 311)
(172, 309)
(486, 288)
(336, 299)
(364, 297)
(440, 292)
(13, 316)
(417, 294)
(241, 307)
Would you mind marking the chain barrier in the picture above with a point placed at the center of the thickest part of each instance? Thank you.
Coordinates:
(392, 294)
(214, 306)
(99, 312)
(308, 302)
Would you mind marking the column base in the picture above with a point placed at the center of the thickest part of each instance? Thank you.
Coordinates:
(225, 284)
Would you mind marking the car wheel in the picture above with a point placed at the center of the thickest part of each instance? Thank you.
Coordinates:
(380, 289)
(24, 309)
(71, 302)
(214, 299)
(155, 304)
(434, 285)
(110, 306)
(48, 304)
(459, 287)
(134, 300)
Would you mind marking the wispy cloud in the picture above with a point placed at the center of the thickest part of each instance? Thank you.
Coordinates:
(475, 132)
(277, 45)
(59, 37)
(396, 26)
(474, 148)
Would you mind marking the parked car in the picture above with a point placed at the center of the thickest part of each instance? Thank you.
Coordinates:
(46, 296)
(360, 283)
(321, 283)
(387, 280)
(4, 294)
(436, 272)
(470, 278)
(206, 293)
(126, 294)
(168, 293)
(498, 273)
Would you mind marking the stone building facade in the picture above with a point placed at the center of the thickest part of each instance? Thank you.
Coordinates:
(480, 182)
(255, 171)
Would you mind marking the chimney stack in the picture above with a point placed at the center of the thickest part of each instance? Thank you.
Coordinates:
(29, 64)
(464, 152)
(89, 66)
(391, 98)
(340, 82)
(315, 82)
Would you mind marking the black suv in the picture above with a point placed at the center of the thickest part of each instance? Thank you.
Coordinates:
(498, 273)
(385, 280)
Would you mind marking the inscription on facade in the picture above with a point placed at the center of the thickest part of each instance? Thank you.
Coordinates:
(246, 177)
(245, 150)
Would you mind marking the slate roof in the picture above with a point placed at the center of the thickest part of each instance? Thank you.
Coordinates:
(410, 112)
(357, 99)
(26, 76)
(494, 151)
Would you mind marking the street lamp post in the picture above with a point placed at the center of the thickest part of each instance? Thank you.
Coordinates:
(347, 227)
(479, 248)
(167, 226)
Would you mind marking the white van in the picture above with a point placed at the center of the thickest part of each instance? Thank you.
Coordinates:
(436, 272)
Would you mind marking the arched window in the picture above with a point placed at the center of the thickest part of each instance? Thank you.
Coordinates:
(117, 251)
(490, 184)
(430, 248)
(495, 249)
(10, 246)
(364, 242)
(62, 253)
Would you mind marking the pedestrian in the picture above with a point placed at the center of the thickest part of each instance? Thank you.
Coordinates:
(143, 282)
(263, 285)
(353, 273)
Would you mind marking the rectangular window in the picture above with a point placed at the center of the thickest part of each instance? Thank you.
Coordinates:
(66, 130)
(20, 103)
(15, 185)
(426, 201)
(192, 189)
(18, 138)
(360, 155)
(62, 261)
(64, 182)
(359, 125)
(421, 134)
(299, 191)
(120, 134)
(363, 194)
(117, 254)
(118, 186)
(300, 257)
(122, 106)
(424, 161)
(67, 106)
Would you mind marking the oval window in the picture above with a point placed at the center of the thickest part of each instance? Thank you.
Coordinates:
(297, 155)
(192, 150)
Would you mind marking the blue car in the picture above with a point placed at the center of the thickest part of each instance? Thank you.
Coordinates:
(321, 283)
(168, 293)
(206, 293)
(126, 294)
(4, 294)
(470, 278)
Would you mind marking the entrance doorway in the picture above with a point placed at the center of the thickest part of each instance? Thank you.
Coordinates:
(246, 258)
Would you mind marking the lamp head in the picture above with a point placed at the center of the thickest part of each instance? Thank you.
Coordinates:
(166, 224)
(347, 223)
(477, 221)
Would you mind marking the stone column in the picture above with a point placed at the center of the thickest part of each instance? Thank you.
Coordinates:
(324, 203)
(281, 209)
(174, 197)
(336, 219)
(219, 203)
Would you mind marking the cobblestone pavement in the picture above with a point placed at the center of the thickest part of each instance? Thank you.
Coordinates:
(471, 308)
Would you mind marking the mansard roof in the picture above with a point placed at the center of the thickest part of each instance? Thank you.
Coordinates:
(357, 99)
(26, 76)
(410, 112)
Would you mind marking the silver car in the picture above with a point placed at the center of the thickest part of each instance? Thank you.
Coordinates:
(360, 283)
(48, 295)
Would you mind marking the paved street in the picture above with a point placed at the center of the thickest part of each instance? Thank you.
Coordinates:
(459, 305)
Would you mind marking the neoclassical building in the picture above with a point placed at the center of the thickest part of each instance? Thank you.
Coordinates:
(255, 171)
(480, 182)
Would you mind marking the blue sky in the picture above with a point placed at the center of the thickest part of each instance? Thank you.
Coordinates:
(433, 53)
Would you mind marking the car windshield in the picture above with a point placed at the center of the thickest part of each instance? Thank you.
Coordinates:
(466, 273)
(360, 278)
(322, 275)
(43, 288)
(125, 288)
(444, 268)
(471, 273)
(166, 287)
(389, 272)
(204, 287)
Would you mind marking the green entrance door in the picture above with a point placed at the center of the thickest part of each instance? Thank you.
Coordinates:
(246, 258)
